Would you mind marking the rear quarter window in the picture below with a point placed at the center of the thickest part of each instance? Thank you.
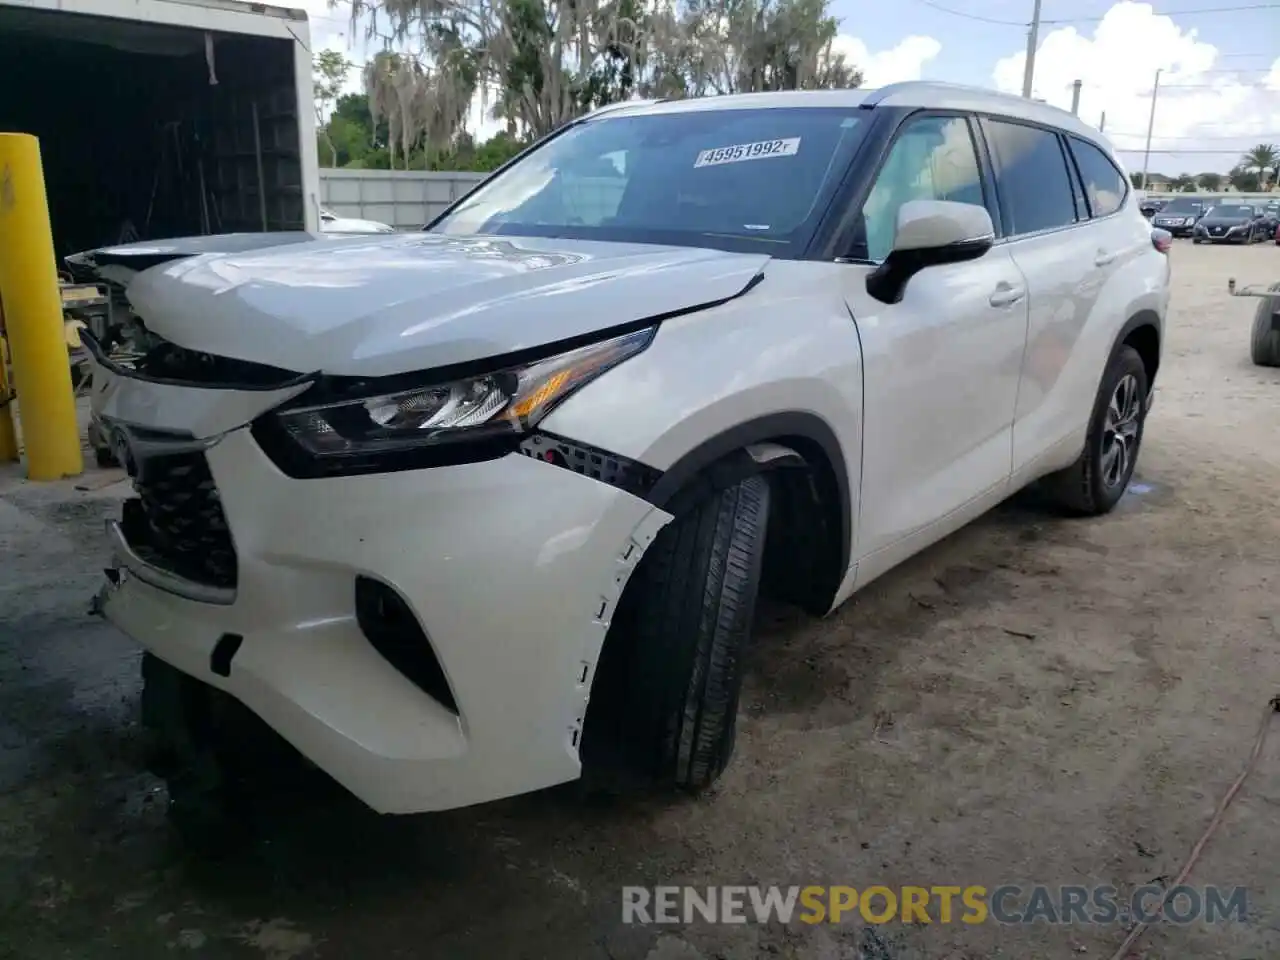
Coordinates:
(1104, 185)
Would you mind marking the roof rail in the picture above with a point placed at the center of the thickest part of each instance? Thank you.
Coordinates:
(619, 104)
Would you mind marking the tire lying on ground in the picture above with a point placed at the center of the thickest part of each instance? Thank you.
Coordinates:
(1265, 343)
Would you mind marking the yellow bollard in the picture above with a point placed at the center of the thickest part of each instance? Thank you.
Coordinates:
(8, 436)
(33, 314)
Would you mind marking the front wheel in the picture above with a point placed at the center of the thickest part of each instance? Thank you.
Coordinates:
(1094, 484)
(665, 700)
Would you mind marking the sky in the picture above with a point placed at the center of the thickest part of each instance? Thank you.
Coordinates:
(1219, 90)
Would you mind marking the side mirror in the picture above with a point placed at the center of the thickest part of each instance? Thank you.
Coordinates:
(930, 233)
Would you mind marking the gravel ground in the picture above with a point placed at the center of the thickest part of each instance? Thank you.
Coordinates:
(1034, 700)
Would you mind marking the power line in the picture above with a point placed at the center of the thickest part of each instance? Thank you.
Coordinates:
(972, 16)
(1238, 136)
(1202, 86)
(1022, 24)
(1179, 13)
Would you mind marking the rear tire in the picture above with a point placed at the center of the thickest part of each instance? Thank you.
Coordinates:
(1264, 345)
(1094, 484)
(665, 700)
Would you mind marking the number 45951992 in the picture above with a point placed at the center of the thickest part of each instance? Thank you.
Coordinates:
(760, 150)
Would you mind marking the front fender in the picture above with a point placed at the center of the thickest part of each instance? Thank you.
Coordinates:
(782, 361)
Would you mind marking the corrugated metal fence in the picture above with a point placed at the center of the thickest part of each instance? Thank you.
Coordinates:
(405, 199)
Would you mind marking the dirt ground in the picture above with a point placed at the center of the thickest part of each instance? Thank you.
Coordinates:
(1035, 700)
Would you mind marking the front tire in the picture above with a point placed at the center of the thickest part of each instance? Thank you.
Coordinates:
(665, 699)
(1094, 484)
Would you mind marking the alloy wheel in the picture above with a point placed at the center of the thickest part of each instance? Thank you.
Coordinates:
(1120, 432)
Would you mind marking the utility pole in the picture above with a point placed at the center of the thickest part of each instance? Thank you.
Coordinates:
(1151, 125)
(1075, 97)
(1102, 124)
(1033, 39)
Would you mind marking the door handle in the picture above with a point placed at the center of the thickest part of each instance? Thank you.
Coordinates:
(1006, 295)
(1103, 258)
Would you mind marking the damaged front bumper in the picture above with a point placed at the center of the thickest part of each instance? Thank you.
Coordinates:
(426, 637)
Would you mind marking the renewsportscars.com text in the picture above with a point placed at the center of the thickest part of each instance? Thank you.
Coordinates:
(1008, 904)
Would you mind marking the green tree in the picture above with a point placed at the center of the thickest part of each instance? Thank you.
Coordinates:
(1243, 179)
(329, 72)
(1261, 158)
(547, 61)
(1210, 181)
(1183, 183)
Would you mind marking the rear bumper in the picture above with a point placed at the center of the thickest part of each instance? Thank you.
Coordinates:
(511, 567)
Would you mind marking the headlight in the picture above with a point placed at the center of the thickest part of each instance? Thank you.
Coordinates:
(489, 407)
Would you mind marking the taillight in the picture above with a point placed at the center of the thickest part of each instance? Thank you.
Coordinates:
(1162, 240)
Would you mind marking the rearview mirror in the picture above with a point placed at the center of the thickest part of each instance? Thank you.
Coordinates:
(929, 233)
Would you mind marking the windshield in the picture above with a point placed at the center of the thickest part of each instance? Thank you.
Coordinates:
(1183, 206)
(755, 180)
(1229, 210)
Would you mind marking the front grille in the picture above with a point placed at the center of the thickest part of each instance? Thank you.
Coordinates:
(176, 521)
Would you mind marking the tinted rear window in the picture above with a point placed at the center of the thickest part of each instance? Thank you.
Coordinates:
(1183, 206)
(1031, 177)
(755, 179)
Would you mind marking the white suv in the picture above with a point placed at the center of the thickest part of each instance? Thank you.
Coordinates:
(459, 512)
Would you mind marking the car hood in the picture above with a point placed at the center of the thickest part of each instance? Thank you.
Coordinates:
(394, 304)
(120, 263)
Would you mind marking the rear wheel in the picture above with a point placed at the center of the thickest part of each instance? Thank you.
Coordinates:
(665, 700)
(1094, 484)
(1265, 342)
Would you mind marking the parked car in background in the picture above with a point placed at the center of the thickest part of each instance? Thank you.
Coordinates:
(1150, 206)
(1271, 211)
(1180, 214)
(1232, 223)
(330, 222)
(460, 512)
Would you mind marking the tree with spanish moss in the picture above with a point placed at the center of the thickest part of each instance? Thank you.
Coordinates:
(541, 63)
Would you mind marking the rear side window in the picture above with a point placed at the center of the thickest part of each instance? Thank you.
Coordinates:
(1031, 177)
(1104, 185)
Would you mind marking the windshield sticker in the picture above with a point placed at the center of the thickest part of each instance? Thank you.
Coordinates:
(760, 150)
